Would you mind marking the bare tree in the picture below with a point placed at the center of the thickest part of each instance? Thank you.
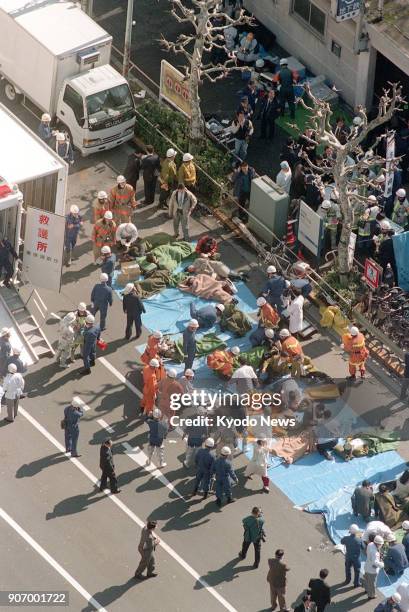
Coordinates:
(204, 38)
(349, 177)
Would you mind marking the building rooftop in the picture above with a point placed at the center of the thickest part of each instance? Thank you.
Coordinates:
(395, 21)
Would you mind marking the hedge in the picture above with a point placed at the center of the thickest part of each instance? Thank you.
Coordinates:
(210, 159)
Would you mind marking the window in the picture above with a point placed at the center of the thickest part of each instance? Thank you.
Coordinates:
(311, 14)
(74, 101)
(336, 48)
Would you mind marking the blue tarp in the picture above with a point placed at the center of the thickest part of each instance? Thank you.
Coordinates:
(401, 250)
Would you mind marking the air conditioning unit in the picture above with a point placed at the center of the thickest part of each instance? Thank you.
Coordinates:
(88, 58)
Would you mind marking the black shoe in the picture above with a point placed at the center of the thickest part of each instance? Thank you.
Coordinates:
(77, 455)
(205, 496)
(241, 556)
(255, 565)
(92, 363)
(194, 492)
(102, 489)
(351, 377)
(139, 577)
(116, 492)
(85, 371)
(219, 502)
(152, 575)
(230, 500)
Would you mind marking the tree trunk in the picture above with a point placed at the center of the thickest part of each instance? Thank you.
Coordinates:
(196, 122)
(347, 218)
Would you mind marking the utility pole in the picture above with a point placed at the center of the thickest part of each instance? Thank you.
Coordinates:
(128, 39)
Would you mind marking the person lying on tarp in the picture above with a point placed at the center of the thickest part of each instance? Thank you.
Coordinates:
(206, 245)
(205, 265)
(209, 288)
(387, 508)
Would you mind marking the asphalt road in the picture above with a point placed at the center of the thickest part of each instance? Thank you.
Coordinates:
(60, 533)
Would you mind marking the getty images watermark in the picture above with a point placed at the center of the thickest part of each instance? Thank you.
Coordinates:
(210, 402)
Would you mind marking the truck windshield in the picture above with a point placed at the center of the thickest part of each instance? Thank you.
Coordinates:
(110, 103)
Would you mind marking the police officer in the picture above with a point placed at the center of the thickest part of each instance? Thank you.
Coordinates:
(108, 263)
(133, 308)
(158, 431)
(44, 129)
(195, 435)
(7, 250)
(224, 473)
(73, 223)
(274, 289)
(101, 298)
(18, 362)
(5, 349)
(352, 545)
(106, 463)
(189, 343)
(63, 148)
(204, 461)
(72, 415)
(286, 94)
(91, 333)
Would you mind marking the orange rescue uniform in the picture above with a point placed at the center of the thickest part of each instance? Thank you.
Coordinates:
(100, 208)
(103, 234)
(151, 350)
(151, 378)
(269, 317)
(167, 388)
(221, 362)
(358, 353)
(292, 351)
(122, 202)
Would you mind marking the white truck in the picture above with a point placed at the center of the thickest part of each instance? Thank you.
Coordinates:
(56, 59)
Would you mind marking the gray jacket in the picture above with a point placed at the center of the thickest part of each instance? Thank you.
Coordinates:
(189, 202)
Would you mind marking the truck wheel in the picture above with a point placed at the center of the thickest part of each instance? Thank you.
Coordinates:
(11, 93)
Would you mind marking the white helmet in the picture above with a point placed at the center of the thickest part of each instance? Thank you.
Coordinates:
(5, 331)
(170, 153)
(357, 120)
(156, 413)
(396, 598)
(354, 529)
(378, 540)
(354, 331)
(226, 451)
(128, 288)
(60, 137)
(74, 209)
(270, 333)
(69, 318)
(373, 199)
(187, 157)
(220, 307)
(271, 270)
(405, 525)
(193, 323)
(102, 195)
(108, 215)
(120, 179)
(326, 204)
(82, 306)
(90, 319)
(284, 333)
(76, 402)
(209, 442)
(401, 193)
(235, 350)
(17, 350)
(171, 373)
(103, 277)
(154, 363)
(45, 117)
(189, 372)
(12, 368)
(129, 227)
(261, 301)
(385, 225)
(106, 250)
(157, 334)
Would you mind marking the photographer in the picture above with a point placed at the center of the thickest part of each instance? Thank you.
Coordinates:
(253, 534)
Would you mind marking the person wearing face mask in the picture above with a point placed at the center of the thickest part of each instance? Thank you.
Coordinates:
(122, 200)
(400, 213)
(44, 129)
(73, 224)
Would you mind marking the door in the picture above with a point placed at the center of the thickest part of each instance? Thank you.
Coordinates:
(71, 112)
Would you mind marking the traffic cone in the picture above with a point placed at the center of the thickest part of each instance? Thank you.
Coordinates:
(290, 238)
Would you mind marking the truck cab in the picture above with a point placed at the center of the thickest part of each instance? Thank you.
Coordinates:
(97, 110)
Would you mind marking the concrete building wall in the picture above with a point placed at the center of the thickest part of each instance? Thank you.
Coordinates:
(348, 72)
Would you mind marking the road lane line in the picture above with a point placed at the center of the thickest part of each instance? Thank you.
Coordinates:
(44, 554)
(105, 425)
(189, 569)
(83, 405)
(108, 14)
(120, 376)
(55, 316)
(137, 455)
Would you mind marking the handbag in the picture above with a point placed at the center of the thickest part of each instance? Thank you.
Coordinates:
(63, 424)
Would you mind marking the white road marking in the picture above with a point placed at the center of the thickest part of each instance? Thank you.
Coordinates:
(105, 425)
(82, 403)
(119, 376)
(212, 591)
(108, 14)
(43, 553)
(55, 316)
(137, 455)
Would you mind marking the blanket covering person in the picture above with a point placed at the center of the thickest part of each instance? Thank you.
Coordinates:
(155, 282)
(234, 321)
(208, 288)
(166, 256)
(208, 343)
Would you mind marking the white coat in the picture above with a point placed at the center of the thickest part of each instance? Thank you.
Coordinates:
(295, 310)
(259, 462)
(283, 180)
(373, 561)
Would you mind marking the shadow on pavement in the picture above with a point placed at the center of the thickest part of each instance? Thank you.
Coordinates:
(111, 594)
(31, 469)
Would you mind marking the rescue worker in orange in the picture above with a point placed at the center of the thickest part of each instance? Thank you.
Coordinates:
(167, 387)
(354, 344)
(267, 314)
(152, 349)
(291, 350)
(101, 205)
(222, 362)
(103, 234)
(152, 374)
(122, 200)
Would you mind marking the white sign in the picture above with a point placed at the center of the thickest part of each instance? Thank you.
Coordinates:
(346, 9)
(309, 229)
(390, 155)
(351, 249)
(43, 248)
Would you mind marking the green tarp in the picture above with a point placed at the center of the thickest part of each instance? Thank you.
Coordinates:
(204, 346)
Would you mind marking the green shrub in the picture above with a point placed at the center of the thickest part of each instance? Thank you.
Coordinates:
(351, 294)
(212, 160)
